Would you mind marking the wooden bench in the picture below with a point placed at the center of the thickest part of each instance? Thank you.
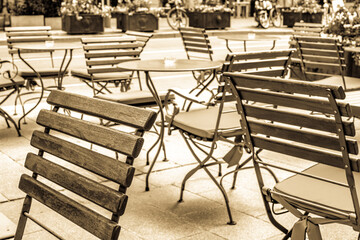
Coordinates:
(80, 161)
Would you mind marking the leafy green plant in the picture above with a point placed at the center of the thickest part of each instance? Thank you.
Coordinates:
(28, 7)
(52, 8)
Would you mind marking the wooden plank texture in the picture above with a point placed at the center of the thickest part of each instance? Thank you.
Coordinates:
(142, 119)
(95, 162)
(84, 217)
(124, 143)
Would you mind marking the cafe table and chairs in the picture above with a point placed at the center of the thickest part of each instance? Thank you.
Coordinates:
(167, 65)
(250, 37)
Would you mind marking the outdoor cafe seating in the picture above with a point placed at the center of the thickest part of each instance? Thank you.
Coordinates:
(86, 147)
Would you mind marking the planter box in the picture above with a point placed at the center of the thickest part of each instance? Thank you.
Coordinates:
(290, 18)
(141, 22)
(209, 20)
(27, 20)
(89, 23)
(53, 22)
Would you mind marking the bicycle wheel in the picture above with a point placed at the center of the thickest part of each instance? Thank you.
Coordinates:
(264, 19)
(275, 16)
(177, 18)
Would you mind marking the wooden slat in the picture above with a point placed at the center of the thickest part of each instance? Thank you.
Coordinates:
(271, 54)
(104, 196)
(304, 152)
(259, 63)
(198, 40)
(95, 162)
(84, 217)
(190, 29)
(108, 39)
(124, 143)
(317, 39)
(198, 50)
(293, 101)
(28, 34)
(318, 46)
(318, 51)
(324, 59)
(285, 85)
(134, 53)
(109, 61)
(199, 45)
(268, 72)
(21, 29)
(29, 39)
(105, 70)
(300, 135)
(116, 112)
(299, 119)
(105, 46)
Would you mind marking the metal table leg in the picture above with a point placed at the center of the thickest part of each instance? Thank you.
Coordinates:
(160, 140)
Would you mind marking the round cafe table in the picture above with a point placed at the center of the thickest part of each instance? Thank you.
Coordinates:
(165, 65)
(47, 46)
(248, 37)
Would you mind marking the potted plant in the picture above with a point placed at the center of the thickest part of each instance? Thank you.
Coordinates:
(136, 16)
(305, 10)
(27, 13)
(81, 16)
(209, 16)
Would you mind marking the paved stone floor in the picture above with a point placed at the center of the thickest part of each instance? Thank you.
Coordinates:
(155, 214)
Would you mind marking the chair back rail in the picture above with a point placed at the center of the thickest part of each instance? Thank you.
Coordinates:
(265, 63)
(196, 43)
(27, 35)
(302, 28)
(141, 37)
(277, 129)
(81, 163)
(320, 56)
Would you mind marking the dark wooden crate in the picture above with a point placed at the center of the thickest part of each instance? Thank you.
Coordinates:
(90, 23)
(142, 22)
(209, 20)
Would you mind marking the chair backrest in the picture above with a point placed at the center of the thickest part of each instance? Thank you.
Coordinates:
(291, 128)
(196, 43)
(103, 54)
(274, 63)
(308, 29)
(320, 57)
(83, 165)
(141, 37)
(17, 35)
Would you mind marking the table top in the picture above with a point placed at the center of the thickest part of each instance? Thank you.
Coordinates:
(169, 65)
(248, 37)
(47, 46)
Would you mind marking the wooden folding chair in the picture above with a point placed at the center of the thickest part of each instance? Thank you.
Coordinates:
(322, 60)
(325, 191)
(197, 46)
(80, 161)
(102, 56)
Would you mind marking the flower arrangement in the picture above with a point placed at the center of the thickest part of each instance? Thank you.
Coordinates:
(307, 6)
(344, 23)
(204, 8)
(132, 6)
(77, 7)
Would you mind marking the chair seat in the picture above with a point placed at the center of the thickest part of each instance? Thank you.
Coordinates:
(44, 72)
(320, 192)
(201, 122)
(352, 83)
(83, 73)
(137, 98)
